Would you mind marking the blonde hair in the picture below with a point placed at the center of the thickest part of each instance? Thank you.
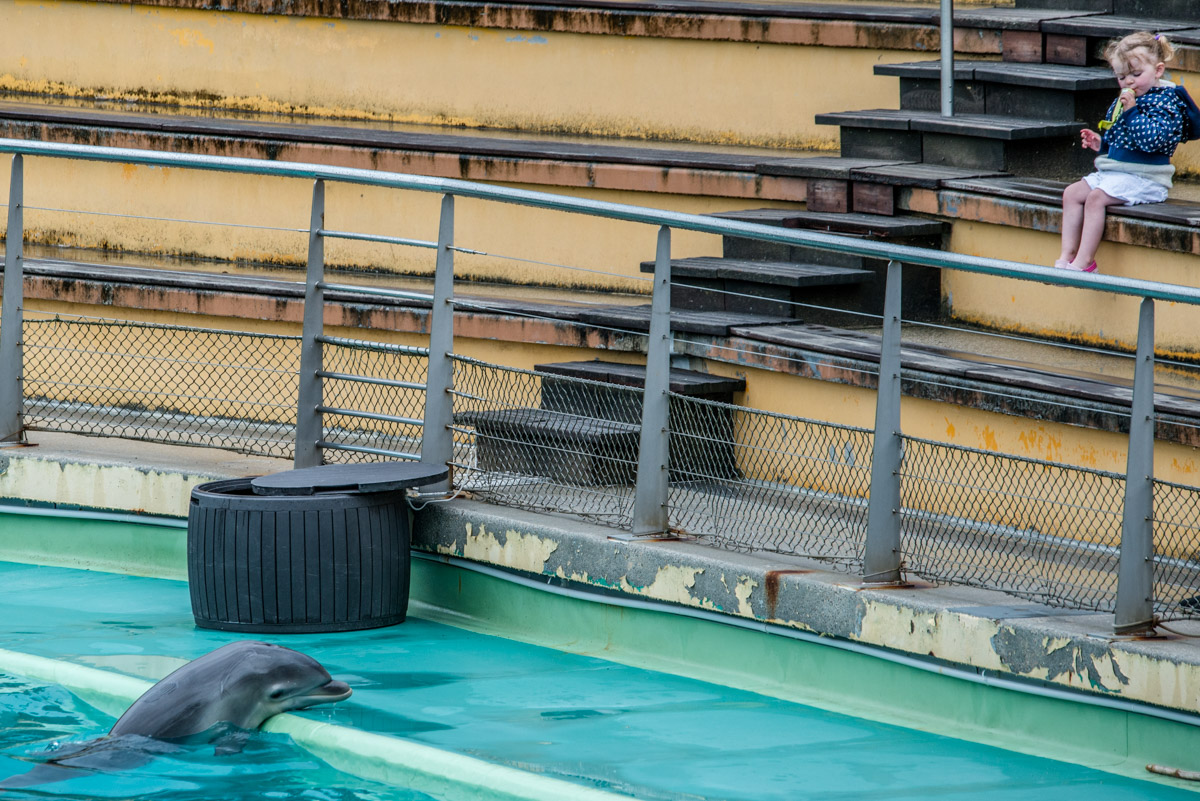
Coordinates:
(1157, 45)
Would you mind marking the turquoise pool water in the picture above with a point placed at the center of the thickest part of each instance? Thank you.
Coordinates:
(585, 720)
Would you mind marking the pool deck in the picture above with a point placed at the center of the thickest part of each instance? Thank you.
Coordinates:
(982, 637)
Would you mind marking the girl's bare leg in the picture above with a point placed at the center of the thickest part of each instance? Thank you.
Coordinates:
(1074, 197)
(1095, 208)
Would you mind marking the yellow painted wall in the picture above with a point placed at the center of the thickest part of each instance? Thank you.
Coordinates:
(168, 211)
(1093, 317)
(555, 82)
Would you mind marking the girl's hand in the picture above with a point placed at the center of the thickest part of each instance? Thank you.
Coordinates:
(1089, 139)
(1127, 98)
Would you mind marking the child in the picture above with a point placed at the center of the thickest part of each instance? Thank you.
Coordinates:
(1143, 127)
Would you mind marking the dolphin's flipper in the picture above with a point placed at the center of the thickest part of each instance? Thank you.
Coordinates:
(46, 773)
(232, 743)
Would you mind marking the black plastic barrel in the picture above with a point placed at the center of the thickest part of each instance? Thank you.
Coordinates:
(331, 561)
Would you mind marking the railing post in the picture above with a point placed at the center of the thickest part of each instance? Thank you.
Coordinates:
(309, 424)
(650, 498)
(947, 47)
(12, 359)
(881, 556)
(1135, 577)
(437, 438)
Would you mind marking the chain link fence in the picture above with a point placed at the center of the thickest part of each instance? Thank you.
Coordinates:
(381, 380)
(1039, 530)
(740, 478)
(161, 383)
(546, 443)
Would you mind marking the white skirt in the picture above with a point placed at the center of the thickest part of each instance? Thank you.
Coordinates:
(1132, 189)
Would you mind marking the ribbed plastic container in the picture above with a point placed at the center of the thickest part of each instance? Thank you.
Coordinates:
(336, 561)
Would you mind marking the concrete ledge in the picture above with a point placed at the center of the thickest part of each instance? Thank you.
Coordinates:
(975, 629)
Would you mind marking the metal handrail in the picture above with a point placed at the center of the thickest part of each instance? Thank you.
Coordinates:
(907, 254)
(882, 557)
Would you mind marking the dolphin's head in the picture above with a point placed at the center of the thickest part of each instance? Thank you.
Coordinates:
(243, 684)
(275, 679)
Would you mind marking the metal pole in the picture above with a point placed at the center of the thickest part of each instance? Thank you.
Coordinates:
(881, 557)
(947, 45)
(309, 424)
(437, 440)
(12, 359)
(1135, 577)
(650, 498)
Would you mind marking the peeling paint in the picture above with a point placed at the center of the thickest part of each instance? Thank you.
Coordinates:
(744, 589)
(1074, 662)
(671, 583)
(518, 551)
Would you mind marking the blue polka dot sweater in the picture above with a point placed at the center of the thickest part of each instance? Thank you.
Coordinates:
(1142, 140)
(1153, 127)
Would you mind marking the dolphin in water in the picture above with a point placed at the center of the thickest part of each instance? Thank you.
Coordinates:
(232, 689)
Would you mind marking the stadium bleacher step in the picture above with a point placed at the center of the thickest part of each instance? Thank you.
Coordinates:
(1041, 91)
(710, 283)
(1022, 145)
(844, 304)
(1080, 40)
(587, 432)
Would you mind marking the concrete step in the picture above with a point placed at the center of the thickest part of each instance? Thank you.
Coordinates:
(1021, 145)
(709, 283)
(1041, 91)
(1080, 40)
(869, 225)
(587, 432)
(841, 304)
(761, 272)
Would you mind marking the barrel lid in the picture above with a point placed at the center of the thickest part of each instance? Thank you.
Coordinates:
(367, 477)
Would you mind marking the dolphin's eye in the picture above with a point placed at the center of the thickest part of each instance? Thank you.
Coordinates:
(275, 696)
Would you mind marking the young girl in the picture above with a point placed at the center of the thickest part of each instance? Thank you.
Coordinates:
(1143, 127)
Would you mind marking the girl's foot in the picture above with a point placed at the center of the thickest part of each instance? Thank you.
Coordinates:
(1062, 264)
(1090, 268)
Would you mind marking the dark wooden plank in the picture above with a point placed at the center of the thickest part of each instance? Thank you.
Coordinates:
(684, 382)
(1037, 190)
(1010, 19)
(349, 135)
(1111, 26)
(1023, 46)
(637, 318)
(1175, 212)
(1065, 49)
(858, 345)
(978, 125)
(861, 224)
(875, 119)
(871, 225)
(1048, 76)
(1053, 76)
(992, 127)
(830, 195)
(873, 198)
(763, 272)
(1190, 36)
(820, 166)
(964, 69)
(925, 176)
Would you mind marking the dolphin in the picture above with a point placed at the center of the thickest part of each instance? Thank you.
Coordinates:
(234, 688)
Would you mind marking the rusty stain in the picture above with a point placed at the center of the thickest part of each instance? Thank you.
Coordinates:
(771, 587)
